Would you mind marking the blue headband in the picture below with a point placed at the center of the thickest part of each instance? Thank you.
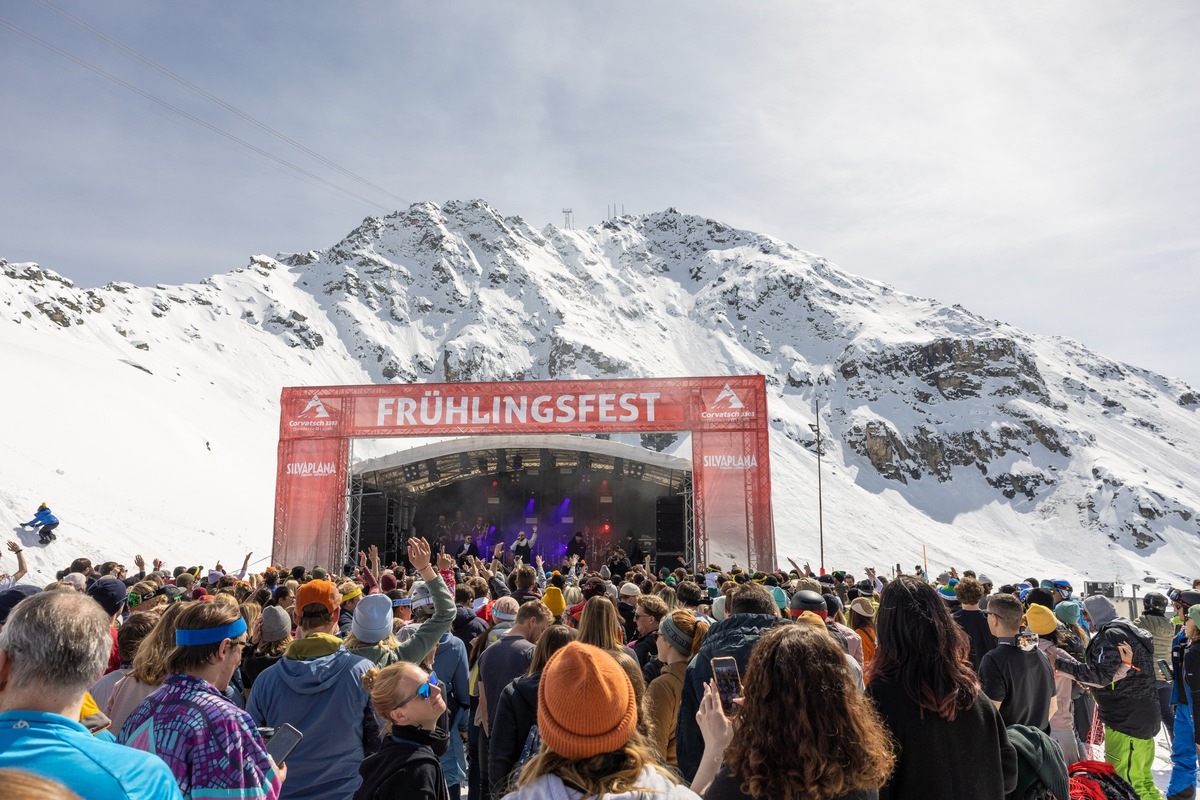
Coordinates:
(400, 602)
(190, 638)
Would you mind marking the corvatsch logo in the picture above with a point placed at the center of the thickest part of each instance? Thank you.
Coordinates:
(314, 415)
(727, 396)
(727, 406)
(316, 409)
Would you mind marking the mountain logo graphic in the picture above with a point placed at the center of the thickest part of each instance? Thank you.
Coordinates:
(314, 410)
(729, 397)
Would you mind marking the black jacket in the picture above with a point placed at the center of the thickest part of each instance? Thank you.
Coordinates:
(405, 768)
(516, 714)
(645, 648)
(467, 626)
(939, 760)
(733, 636)
(1130, 705)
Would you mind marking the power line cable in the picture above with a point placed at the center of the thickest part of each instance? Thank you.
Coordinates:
(191, 117)
(217, 100)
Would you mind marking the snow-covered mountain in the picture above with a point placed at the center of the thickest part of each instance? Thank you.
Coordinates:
(147, 417)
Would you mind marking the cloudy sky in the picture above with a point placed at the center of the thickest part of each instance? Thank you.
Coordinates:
(1037, 163)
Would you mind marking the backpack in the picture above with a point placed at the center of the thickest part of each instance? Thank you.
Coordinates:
(1092, 776)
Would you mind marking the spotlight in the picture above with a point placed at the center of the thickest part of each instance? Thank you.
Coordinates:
(464, 463)
(518, 463)
(432, 469)
(412, 473)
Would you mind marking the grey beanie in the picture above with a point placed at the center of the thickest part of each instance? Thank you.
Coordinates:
(276, 624)
(372, 619)
(1100, 609)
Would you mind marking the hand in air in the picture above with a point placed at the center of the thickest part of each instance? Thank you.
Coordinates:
(418, 553)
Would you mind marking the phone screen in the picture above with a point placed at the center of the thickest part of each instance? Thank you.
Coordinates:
(283, 742)
(729, 682)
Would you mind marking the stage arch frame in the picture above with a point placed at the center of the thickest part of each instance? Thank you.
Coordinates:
(726, 416)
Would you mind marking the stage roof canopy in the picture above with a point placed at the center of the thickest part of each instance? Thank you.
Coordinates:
(431, 466)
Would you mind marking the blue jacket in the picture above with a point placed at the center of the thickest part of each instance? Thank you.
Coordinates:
(43, 517)
(63, 750)
(323, 698)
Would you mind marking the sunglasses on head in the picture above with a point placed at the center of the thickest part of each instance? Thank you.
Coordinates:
(422, 691)
(134, 599)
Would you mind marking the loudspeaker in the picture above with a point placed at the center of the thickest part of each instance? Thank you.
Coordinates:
(669, 527)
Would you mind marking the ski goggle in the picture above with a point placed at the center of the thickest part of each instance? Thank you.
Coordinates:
(422, 691)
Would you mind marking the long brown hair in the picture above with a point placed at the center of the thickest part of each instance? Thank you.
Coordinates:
(548, 644)
(805, 731)
(921, 648)
(600, 624)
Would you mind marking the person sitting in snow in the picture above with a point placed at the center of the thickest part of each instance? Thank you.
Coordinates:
(44, 522)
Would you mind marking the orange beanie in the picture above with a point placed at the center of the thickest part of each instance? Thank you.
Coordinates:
(586, 704)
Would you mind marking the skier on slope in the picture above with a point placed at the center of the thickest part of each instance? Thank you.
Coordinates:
(45, 523)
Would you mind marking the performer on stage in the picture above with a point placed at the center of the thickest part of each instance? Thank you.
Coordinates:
(576, 547)
(522, 548)
(467, 549)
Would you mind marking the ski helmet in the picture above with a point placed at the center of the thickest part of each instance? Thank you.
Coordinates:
(1154, 602)
(807, 600)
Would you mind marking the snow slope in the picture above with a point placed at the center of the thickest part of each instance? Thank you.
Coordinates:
(147, 417)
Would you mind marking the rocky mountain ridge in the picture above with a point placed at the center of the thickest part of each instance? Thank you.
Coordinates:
(935, 420)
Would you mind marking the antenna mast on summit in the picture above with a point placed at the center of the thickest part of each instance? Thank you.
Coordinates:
(567, 214)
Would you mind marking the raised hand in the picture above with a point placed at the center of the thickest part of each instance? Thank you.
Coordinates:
(141, 563)
(499, 551)
(445, 561)
(418, 553)
(13, 546)
(362, 558)
(158, 564)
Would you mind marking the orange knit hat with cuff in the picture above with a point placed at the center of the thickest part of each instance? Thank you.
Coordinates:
(586, 704)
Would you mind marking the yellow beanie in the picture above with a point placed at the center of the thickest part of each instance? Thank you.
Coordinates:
(586, 704)
(554, 600)
(1041, 619)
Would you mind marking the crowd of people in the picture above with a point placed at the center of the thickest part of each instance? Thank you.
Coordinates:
(452, 676)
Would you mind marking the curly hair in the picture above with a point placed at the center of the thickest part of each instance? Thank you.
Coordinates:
(805, 731)
(920, 647)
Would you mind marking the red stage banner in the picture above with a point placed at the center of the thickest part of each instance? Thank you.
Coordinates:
(727, 417)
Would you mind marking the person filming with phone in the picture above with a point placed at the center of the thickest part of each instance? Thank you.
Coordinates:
(752, 612)
(797, 727)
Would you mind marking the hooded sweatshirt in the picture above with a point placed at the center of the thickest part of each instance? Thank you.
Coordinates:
(1128, 705)
(652, 783)
(317, 687)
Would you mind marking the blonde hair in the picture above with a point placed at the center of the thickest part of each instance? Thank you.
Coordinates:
(384, 687)
(225, 597)
(150, 661)
(250, 612)
(615, 772)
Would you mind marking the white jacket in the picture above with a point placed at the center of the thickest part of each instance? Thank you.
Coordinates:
(654, 785)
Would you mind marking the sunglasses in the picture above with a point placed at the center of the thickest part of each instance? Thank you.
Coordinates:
(422, 691)
(134, 599)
